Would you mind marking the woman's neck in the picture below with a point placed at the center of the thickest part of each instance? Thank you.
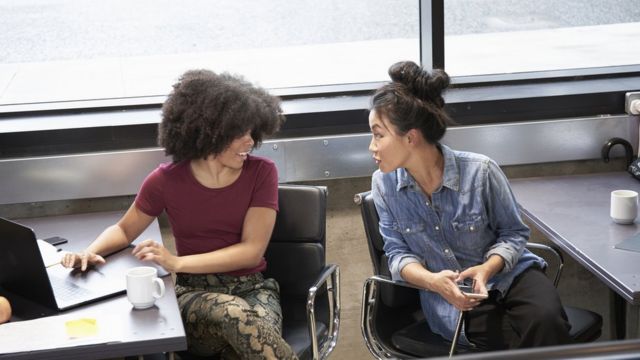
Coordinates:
(427, 168)
(212, 173)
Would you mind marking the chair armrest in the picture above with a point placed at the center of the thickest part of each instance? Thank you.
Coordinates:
(367, 325)
(386, 280)
(330, 276)
(553, 251)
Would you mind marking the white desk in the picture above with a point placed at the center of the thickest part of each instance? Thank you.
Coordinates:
(154, 330)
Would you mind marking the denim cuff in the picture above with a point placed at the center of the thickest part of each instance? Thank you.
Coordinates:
(506, 254)
(404, 261)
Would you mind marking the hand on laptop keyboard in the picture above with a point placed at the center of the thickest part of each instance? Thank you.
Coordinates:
(81, 260)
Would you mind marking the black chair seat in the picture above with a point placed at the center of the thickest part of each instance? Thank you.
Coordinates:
(586, 326)
(296, 333)
(418, 340)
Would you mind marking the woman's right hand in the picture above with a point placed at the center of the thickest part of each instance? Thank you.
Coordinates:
(81, 260)
(444, 283)
(5, 310)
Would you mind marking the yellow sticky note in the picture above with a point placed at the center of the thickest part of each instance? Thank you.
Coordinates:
(81, 327)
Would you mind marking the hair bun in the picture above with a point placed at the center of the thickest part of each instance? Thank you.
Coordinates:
(422, 84)
(405, 72)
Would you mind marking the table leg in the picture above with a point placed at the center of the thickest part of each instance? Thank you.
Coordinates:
(617, 320)
(632, 321)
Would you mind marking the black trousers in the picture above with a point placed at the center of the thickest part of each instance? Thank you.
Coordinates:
(530, 314)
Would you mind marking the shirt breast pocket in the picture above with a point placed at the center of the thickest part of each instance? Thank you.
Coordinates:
(468, 231)
(412, 232)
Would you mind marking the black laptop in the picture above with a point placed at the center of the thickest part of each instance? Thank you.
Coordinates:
(35, 291)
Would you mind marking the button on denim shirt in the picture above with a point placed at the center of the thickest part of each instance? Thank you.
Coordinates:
(471, 216)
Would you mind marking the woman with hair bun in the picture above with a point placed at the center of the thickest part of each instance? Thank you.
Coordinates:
(221, 202)
(449, 217)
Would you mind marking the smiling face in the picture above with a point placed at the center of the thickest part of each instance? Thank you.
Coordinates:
(389, 149)
(236, 153)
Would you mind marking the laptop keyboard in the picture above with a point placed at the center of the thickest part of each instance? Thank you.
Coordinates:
(66, 291)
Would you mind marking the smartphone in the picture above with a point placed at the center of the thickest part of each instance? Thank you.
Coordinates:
(467, 290)
(56, 240)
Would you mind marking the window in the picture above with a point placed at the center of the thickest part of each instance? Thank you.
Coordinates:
(500, 36)
(86, 76)
(64, 55)
(70, 50)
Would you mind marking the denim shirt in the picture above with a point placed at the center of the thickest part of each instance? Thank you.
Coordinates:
(471, 216)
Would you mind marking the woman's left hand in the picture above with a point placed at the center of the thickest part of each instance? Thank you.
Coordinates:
(482, 273)
(478, 273)
(150, 250)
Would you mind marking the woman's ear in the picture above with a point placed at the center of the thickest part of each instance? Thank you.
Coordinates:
(412, 136)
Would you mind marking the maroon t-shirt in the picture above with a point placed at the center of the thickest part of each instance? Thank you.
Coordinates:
(204, 219)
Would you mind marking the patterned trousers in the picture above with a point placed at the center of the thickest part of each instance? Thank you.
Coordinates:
(234, 317)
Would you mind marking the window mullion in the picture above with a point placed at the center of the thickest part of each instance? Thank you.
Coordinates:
(432, 33)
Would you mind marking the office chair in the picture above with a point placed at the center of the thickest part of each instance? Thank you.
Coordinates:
(296, 259)
(309, 288)
(392, 322)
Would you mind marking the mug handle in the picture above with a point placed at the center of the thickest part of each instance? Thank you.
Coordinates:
(158, 290)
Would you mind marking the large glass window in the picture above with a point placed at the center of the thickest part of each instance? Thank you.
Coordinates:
(69, 50)
(504, 36)
(61, 54)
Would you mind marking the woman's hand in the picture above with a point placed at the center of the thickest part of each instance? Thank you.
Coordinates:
(150, 250)
(5, 310)
(445, 284)
(81, 260)
(480, 275)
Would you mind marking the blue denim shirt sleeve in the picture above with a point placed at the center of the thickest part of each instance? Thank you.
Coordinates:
(395, 247)
(512, 233)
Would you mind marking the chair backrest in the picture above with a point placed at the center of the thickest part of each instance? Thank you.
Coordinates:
(394, 307)
(392, 296)
(296, 258)
(296, 253)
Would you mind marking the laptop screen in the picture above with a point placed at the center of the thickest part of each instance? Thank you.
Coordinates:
(22, 271)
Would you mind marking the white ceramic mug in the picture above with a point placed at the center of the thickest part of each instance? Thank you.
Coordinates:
(624, 206)
(143, 286)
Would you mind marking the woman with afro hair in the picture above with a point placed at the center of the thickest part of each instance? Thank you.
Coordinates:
(221, 202)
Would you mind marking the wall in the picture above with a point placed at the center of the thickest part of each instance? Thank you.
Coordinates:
(117, 173)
